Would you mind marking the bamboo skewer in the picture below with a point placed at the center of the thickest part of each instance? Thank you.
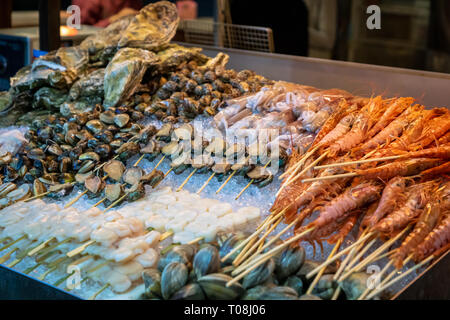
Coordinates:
(332, 177)
(320, 273)
(382, 272)
(361, 253)
(39, 263)
(206, 183)
(349, 163)
(338, 255)
(94, 296)
(80, 249)
(6, 246)
(226, 181)
(187, 179)
(304, 170)
(8, 255)
(260, 241)
(259, 261)
(251, 181)
(387, 285)
(375, 254)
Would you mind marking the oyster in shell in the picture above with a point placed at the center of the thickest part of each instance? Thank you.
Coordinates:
(102, 46)
(90, 85)
(124, 73)
(48, 98)
(152, 28)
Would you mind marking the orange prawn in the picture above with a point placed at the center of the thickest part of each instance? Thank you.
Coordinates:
(437, 239)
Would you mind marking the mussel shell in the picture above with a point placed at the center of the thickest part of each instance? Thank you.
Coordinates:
(310, 265)
(289, 262)
(152, 283)
(189, 292)
(21, 193)
(214, 287)
(295, 283)
(207, 260)
(173, 278)
(279, 293)
(89, 156)
(114, 169)
(355, 285)
(255, 292)
(229, 244)
(325, 287)
(86, 166)
(36, 154)
(259, 275)
(55, 150)
(309, 297)
(65, 164)
(6, 188)
(38, 187)
(183, 253)
(95, 126)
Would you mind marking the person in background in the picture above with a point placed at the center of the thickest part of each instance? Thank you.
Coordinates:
(287, 19)
(101, 13)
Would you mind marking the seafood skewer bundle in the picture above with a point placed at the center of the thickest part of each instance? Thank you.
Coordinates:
(120, 237)
(336, 200)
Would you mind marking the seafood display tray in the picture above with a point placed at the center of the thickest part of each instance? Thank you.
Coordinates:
(428, 88)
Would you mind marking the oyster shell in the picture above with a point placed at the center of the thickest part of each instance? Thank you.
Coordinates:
(153, 27)
(48, 98)
(88, 85)
(124, 73)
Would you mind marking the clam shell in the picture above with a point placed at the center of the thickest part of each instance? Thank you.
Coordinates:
(355, 285)
(94, 184)
(214, 287)
(289, 262)
(279, 293)
(259, 275)
(189, 292)
(207, 260)
(38, 187)
(173, 278)
(152, 283)
(121, 119)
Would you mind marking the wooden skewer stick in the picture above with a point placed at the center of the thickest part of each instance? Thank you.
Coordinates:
(187, 179)
(99, 203)
(59, 281)
(94, 296)
(332, 177)
(305, 170)
(382, 272)
(374, 254)
(243, 190)
(48, 255)
(52, 247)
(196, 240)
(251, 181)
(226, 181)
(12, 243)
(165, 235)
(80, 249)
(349, 163)
(52, 268)
(320, 273)
(37, 196)
(387, 285)
(299, 163)
(246, 241)
(337, 256)
(255, 246)
(206, 183)
(8, 255)
(361, 253)
(270, 242)
(344, 263)
(267, 256)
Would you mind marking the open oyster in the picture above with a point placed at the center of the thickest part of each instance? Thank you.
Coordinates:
(124, 73)
(152, 28)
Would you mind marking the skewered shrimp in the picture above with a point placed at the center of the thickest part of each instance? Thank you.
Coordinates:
(393, 190)
(354, 137)
(435, 129)
(436, 171)
(399, 168)
(352, 199)
(437, 239)
(412, 208)
(344, 229)
(393, 110)
(341, 129)
(427, 221)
